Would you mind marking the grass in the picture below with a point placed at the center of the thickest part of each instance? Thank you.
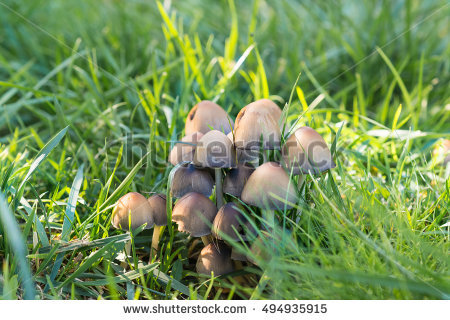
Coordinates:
(82, 81)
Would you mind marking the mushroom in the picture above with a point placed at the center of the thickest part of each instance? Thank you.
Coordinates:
(194, 213)
(206, 115)
(132, 211)
(275, 111)
(269, 188)
(157, 204)
(230, 222)
(306, 151)
(215, 150)
(255, 122)
(188, 178)
(184, 150)
(214, 258)
(236, 178)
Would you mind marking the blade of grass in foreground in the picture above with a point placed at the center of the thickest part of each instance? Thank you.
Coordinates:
(41, 156)
(68, 219)
(17, 243)
(124, 185)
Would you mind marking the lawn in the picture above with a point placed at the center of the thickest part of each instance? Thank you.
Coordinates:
(94, 93)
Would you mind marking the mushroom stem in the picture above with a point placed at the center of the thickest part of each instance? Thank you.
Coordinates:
(269, 218)
(238, 265)
(265, 157)
(128, 248)
(206, 239)
(242, 280)
(155, 241)
(219, 193)
(299, 185)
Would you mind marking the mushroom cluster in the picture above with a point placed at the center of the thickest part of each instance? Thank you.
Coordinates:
(222, 169)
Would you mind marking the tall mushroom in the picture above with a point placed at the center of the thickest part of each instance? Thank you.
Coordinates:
(157, 204)
(132, 211)
(188, 178)
(255, 122)
(269, 188)
(206, 115)
(184, 150)
(194, 213)
(306, 151)
(215, 257)
(215, 150)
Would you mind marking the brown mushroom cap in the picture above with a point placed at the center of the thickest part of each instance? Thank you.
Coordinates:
(231, 222)
(274, 109)
(256, 120)
(135, 206)
(236, 179)
(188, 178)
(268, 180)
(184, 150)
(215, 257)
(215, 150)
(194, 213)
(306, 151)
(206, 115)
(157, 203)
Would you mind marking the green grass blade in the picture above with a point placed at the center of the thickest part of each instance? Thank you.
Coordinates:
(18, 245)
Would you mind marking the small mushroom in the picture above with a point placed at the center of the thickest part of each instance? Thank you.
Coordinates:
(269, 188)
(215, 150)
(236, 178)
(215, 257)
(132, 211)
(206, 115)
(188, 178)
(256, 123)
(306, 151)
(194, 213)
(266, 185)
(231, 222)
(157, 204)
(184, 150)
